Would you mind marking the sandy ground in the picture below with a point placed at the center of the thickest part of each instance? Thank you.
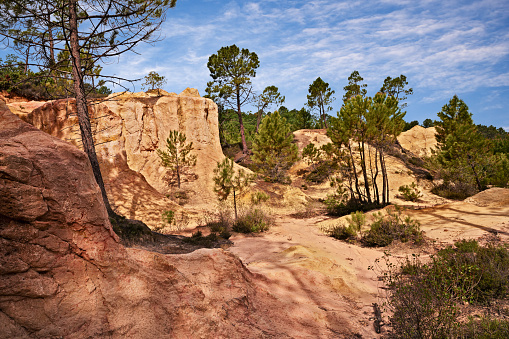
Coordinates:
(329, 281)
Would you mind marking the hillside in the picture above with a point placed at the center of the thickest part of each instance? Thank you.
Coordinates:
(61, 261)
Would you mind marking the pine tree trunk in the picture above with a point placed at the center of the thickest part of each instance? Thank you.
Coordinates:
(364, 170)
(385, 179)
(235, 205)
(245, 150)
(476, 176)
(81, 104)
(354, 169)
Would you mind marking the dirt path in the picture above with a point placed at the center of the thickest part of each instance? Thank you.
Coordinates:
(326, 281)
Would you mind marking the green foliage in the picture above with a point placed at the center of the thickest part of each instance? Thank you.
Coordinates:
(396, 88)
(253, 220)
(320, 98)
(342, 232)
(492, 268)
(259, 197)
(226, 181)
(410, 193)
(298, 119)
(428, 123)
(355, 87)
(153, 81)
(11, 73)
(323, 162)
(270, 96)
(364, 129)
(311, 154)
(465, 160)
(273, 149)
(485, 328)
(355, 222)
(177, 157)
(424, 297)
(393, 226)
(424, 301)
(168, 217)
(409, 125)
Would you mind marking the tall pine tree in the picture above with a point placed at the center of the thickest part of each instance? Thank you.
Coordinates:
(274, 151)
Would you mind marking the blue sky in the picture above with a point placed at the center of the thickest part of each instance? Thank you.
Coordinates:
(444, 47)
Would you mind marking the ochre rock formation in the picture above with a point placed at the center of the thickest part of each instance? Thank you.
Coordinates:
(419, 140)
(128, 129)
(63, 272)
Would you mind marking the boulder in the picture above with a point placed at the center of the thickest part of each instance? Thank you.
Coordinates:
(419, 140)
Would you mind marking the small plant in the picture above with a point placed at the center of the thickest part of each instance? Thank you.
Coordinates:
(177, 157)
(385, 229)
(153, 80)
(486, 328)
(169, 217)
(176, 221)
(253, 220)
(227, 181)
(342, 232)
(220, 222)
(259, 197)
(355, 222)
(410, 192)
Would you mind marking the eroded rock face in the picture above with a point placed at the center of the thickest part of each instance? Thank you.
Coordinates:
(63, 272)
(419, 140)
(128, 129)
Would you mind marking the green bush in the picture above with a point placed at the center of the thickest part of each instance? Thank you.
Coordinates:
(252, 220)
(492, 263)
(259, 197)
(485, 328)
(385, 229)
(341, 232)
(454, 191)
(220, 222)
(425, 297)
(410, 192)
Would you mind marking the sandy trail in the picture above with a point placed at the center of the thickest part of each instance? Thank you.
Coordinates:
(326, 282)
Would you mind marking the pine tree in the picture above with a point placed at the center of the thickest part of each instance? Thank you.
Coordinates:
(462, 153)
(231, 70)
(355, 86)
(227, 181)
(320, 98)
(364, 128)
(273, 149)
(177, 157)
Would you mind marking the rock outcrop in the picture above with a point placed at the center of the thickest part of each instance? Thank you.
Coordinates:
(418, 140)
(128, 129)
(63, 272)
